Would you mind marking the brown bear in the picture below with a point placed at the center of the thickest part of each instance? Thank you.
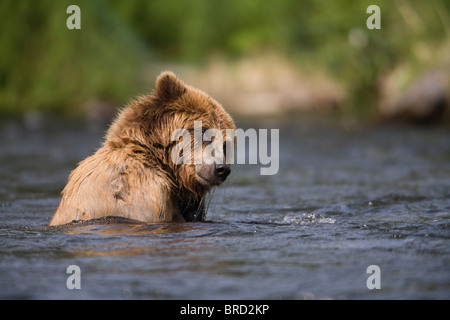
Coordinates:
(133, 174)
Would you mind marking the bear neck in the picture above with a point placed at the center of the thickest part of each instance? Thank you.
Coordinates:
(191, 207)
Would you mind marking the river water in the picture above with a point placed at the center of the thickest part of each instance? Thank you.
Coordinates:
(346, 197)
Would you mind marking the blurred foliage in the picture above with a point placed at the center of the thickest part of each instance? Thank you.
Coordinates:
(45, 66)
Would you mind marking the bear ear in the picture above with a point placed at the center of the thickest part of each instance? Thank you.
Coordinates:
(168, 86)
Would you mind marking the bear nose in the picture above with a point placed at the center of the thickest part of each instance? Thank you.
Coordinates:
(222, 171)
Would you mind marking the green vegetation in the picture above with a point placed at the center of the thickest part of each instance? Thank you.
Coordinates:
(44, 66)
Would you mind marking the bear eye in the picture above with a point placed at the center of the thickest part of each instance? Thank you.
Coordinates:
(225, 149)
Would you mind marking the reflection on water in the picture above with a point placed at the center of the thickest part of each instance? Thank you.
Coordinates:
(345, 197)
(130, 229)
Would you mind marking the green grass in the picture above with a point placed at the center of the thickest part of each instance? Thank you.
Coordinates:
(46, 67)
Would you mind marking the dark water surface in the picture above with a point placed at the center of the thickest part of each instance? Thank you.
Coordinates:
(345, 197)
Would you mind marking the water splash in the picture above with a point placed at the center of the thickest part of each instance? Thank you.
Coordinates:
(305, 219)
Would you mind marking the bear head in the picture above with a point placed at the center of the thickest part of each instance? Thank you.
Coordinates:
(183, 132)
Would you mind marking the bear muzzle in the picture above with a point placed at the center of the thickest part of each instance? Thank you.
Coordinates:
(222, 171)
(213, 174)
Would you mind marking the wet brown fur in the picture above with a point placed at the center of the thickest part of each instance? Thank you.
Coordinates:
(132, 174)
